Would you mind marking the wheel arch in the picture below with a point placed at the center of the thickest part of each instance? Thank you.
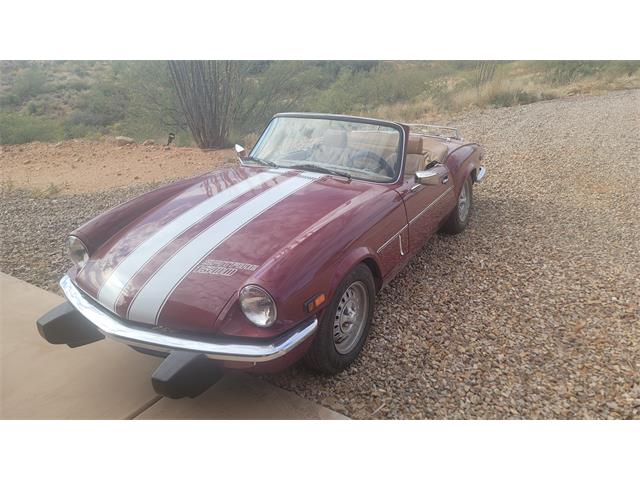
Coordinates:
(355, 257)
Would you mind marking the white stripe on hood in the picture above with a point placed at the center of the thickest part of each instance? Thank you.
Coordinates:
(150, 299)
(124, 272)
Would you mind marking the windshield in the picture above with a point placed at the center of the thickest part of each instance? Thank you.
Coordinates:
(367, 151)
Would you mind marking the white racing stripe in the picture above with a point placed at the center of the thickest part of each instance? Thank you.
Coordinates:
(124, 272)
(148, 303)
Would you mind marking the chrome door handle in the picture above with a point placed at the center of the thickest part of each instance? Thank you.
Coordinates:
(415, 187)
(445, 179)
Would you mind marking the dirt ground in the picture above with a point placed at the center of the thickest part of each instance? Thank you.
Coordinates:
(81, 166)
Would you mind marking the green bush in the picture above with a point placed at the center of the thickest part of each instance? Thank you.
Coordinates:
(16, 128)
(69, 99)
(28, 84)
(9, 100)
(103, 104)
(509, 98)
(566, 72)
(73, 130)
(504, 98)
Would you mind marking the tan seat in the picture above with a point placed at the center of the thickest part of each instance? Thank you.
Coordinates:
(383, 143)
(415, 144)
(415, 159)
(414, 163)
(334, 146)
(434, 150)
(335, 138)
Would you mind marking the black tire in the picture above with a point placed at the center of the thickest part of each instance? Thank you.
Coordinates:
(456, 223)
(323, 356)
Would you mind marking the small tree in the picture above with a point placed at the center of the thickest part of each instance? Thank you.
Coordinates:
(209, 93)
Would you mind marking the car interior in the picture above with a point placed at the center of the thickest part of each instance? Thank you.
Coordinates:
(421, 151)
(338, 147)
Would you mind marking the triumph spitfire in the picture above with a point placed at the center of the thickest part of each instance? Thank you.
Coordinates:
(276, 259)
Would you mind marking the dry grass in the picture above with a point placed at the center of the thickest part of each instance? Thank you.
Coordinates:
(516, 83)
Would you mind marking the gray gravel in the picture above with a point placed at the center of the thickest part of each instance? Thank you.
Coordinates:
(35, 226)
(532, 312)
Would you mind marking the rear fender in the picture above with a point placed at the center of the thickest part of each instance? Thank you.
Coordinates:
(462, 162)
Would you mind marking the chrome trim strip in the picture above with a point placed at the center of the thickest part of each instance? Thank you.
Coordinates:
(385, 244)
(440, 197)
(218, 349)
(427, 126)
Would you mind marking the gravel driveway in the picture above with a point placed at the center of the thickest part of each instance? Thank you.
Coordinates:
(532, 312)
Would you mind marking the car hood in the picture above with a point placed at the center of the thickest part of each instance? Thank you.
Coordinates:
(181, 262)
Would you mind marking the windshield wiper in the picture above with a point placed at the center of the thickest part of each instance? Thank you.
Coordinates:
(263, 161)
(319, 169)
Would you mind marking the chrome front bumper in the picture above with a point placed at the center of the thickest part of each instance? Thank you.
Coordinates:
(215, 348)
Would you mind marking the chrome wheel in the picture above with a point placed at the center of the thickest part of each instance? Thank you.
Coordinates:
(463, 202)
(351, 317)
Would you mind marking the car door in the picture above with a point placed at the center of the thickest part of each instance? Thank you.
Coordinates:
(427, 204)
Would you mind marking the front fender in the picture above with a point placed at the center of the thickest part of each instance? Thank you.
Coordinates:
(97, 231)
(356, 256)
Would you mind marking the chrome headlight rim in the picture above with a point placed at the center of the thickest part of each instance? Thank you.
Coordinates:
(256, 290)
(78, 251)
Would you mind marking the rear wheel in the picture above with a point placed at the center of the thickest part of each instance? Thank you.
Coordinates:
(345, 323)
(459, 217)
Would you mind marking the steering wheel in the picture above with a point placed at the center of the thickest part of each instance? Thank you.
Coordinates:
(367, 154)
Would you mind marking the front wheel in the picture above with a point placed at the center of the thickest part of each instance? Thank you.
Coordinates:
(345, 323)
(459, 217)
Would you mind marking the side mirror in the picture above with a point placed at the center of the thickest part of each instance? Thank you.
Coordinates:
(241, 152)
(434, 176)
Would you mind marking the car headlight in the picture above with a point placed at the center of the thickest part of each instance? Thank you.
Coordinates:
(258, 306)
(77, 251)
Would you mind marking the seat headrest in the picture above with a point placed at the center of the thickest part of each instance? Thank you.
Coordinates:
(335, 138)
(414, 144)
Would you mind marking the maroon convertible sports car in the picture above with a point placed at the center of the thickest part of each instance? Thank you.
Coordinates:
(257, 265)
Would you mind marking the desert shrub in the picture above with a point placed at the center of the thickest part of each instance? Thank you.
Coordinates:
(565, 72)
(277, 87)
(363, 91)
(9, 100)
(79, 130)
(509, 97)
(627, 68)
(504, 98)
(78, 85)
(16, 128)
(152, 110)
(80, 70)
(103, 104)
(28, 84)
(32, 108)
(523, 97)
(438, 92)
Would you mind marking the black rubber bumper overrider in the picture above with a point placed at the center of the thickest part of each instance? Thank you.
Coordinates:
(185, 374)
(64, 324)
